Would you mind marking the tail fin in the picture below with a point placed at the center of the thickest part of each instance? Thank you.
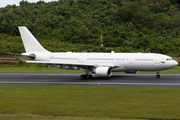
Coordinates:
(29, 41)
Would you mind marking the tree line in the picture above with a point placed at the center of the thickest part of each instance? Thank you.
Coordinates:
(77, 25)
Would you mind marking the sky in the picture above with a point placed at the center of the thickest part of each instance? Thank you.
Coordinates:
(4, 3)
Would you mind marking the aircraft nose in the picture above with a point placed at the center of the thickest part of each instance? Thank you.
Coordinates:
(175, 63)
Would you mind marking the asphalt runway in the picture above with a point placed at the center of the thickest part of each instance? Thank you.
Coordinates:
(166, 80)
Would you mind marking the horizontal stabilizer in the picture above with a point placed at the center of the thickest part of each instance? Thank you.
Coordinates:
(19, 59)
(12, 53)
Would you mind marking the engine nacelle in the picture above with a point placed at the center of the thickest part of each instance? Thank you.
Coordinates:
(131, 72)
(103, 71)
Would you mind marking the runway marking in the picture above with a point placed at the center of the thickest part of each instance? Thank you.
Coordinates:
(91, 83)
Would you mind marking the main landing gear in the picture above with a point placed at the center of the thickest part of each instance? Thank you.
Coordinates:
(158, 74)
(87, 75)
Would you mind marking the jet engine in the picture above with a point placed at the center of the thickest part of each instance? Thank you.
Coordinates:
(103, 71)
(131, 72)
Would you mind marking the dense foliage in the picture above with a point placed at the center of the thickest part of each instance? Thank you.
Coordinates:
(77, 25)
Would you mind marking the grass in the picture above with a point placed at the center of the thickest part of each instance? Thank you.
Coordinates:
(41, 117)
(89, 102)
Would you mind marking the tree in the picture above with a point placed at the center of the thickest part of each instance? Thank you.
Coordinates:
(173, 11)
(160, 22)
(173, 22)
(143, 16)
(126, 12)
(23, 3)
(165, 4)
(126, 25)
(155, 7)
(84, 35)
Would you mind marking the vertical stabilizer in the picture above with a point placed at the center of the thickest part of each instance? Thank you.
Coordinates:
(29, 41)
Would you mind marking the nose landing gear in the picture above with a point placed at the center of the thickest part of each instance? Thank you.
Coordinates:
(158, 74)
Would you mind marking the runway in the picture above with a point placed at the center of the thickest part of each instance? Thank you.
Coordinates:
(166, 80)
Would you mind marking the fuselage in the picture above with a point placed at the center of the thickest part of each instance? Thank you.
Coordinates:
(120, 61)
(101, 64)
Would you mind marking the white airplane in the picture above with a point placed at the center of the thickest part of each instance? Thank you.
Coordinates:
(101, 64)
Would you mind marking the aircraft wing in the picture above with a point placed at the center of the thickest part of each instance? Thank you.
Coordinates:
(74, 64)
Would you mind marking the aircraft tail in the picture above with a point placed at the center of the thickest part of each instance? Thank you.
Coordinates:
(29, 41)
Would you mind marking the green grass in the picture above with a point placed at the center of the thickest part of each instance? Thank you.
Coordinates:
(89, 102)
(41, 117)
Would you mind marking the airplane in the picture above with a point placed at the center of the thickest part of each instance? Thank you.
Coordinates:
(101, 64)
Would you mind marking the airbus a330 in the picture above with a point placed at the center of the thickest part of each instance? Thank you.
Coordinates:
(101, 64)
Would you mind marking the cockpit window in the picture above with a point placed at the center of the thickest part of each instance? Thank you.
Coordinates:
(169, 59)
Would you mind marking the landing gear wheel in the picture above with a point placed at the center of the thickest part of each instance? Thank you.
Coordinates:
(83, 76)
(89, 76)
(158, 76)
(86, 76)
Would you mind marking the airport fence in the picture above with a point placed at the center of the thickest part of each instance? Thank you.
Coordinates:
(10, 59)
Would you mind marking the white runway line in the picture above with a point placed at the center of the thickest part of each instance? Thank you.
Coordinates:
(91, 83)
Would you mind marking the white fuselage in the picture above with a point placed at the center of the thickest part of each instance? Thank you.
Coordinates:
(117, 61)
(101, 64)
